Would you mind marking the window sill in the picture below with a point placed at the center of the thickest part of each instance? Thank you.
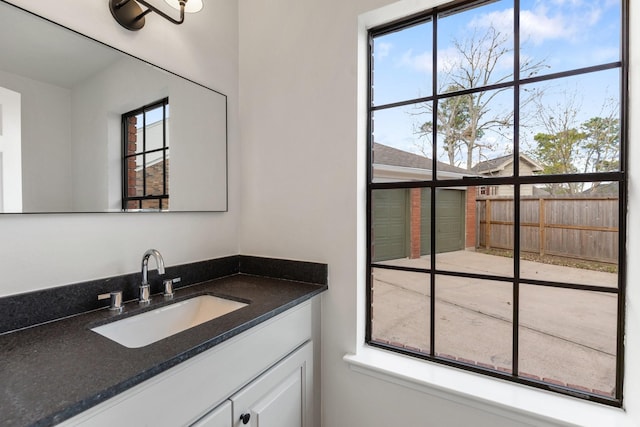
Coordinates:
(512, 401)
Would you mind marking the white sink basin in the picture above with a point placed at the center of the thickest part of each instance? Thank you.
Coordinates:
(151, 326)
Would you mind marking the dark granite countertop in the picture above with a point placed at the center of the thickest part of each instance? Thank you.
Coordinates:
(53, 371)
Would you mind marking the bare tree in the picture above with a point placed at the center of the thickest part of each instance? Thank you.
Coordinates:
(463, 120)
(453, 118)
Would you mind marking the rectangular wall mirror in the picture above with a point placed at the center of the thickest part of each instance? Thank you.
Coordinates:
(81, 130)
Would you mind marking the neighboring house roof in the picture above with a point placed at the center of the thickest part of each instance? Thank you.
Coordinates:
(500, 163)
(385, 155)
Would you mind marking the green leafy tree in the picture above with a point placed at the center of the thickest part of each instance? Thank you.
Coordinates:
(602, 144)
(558, 151)
(568, 147)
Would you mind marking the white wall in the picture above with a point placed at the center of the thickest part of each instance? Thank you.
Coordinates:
(40, 251)
(10, 151)
(198, 161)
(303, 193)
(46, 148)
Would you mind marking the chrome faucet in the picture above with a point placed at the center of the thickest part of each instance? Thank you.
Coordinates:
(144, 286)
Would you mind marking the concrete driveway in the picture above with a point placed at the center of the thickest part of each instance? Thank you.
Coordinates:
(567, 337)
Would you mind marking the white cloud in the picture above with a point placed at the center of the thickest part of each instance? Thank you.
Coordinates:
(605, 54)
(545, 20)
(569, 19)
(536, 26)
(594, 15)
(565, 2)
(382, 50)
(501, 20)
(421, 62)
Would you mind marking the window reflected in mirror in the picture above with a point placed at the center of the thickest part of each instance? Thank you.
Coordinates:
(145, 161)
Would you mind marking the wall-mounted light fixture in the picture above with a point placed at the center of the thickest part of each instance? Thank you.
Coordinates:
(130, 15)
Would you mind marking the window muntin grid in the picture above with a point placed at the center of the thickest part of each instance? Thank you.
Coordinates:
(425, 279)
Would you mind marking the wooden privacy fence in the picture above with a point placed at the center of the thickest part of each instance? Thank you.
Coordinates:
(575, 227)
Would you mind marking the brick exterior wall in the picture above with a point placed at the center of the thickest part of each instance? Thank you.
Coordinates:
(155, 184)
(154, 174)
(470, 218)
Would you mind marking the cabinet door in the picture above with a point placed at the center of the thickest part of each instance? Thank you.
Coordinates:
(280, 397)
(219, 417)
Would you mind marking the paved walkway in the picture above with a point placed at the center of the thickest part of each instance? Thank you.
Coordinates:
(566, 336)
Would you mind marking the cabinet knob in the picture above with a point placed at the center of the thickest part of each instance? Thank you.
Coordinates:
(245, 418)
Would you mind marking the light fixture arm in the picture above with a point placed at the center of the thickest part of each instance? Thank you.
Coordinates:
(130, 15)
(161, 13)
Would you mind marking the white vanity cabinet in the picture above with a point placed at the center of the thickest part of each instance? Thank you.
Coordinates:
(266, 372)
(278, 398)
(222, 416)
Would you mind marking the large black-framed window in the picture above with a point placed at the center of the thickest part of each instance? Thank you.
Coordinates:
(145, 158)
(496, 195)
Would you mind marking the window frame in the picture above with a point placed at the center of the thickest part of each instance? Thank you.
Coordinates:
(162, 198)
(516, 181)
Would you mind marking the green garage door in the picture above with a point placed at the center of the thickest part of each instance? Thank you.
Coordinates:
(449, 220)
(391, 222)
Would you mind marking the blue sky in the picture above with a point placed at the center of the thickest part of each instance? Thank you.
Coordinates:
(559, 34)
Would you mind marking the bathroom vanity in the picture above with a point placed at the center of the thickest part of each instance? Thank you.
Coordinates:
(264, 373)
(254, 364)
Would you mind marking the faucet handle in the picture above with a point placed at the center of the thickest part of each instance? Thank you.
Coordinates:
(145, 294)
(168, 286)
(116, 300)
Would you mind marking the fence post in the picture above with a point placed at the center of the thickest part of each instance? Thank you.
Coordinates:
(487, 224)
(541, 225)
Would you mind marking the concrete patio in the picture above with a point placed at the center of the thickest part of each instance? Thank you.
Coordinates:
(567, 337)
